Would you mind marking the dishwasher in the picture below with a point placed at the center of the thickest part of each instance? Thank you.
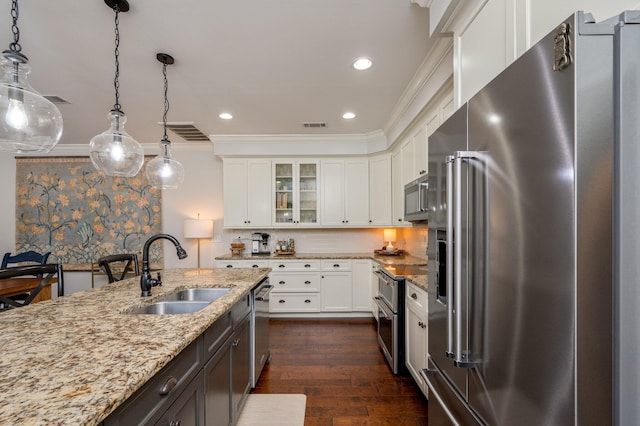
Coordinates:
(260, 353)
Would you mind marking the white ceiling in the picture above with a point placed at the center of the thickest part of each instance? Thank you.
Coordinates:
(272, 64)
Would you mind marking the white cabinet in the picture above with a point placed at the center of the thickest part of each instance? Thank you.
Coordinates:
(416, 333)
(362, 285)
(336, 294)
(247, 193)
(295, 197)
(397, 190)
(380, 202)
(296, 286)
(345, 192)
(414, 152)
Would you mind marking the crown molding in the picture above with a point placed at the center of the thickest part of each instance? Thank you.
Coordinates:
(69, 150)
(299, 145)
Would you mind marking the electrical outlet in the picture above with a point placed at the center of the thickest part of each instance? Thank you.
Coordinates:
(217, 238)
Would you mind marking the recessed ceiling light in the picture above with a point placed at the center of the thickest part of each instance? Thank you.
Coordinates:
(362, 64)
(226, 116)
(348, 115)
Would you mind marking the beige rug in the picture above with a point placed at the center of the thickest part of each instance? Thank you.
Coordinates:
(273, 409)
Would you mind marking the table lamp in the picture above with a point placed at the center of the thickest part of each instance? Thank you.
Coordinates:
(390, 236)
(198, 228)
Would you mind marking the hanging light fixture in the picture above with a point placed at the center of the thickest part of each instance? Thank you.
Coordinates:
(114, 152)
(164, 171)
(28, 121)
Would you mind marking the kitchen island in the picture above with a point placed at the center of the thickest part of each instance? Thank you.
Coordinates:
(75, 359)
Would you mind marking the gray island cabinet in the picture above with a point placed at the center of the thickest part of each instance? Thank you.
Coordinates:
(206, 384)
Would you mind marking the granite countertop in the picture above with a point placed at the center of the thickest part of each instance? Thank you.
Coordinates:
(74, 359)
(419, 280)
(385, 260)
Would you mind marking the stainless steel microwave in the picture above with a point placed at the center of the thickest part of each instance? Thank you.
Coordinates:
(415, 200)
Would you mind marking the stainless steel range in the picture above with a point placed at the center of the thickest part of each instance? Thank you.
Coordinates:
(390, 317)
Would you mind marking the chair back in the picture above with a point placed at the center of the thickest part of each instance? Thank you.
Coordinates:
(121, 264)
(45, 272)
(27, 257)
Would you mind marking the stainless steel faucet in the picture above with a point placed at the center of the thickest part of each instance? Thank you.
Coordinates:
(146, 282)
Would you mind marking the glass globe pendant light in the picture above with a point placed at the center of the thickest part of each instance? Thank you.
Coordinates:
(28, 121)
(164, 171)
(114, 152)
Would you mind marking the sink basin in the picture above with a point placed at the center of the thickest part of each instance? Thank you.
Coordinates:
(196, 294)
(172, 308)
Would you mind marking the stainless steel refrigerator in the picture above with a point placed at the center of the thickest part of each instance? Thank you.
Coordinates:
(521, 202)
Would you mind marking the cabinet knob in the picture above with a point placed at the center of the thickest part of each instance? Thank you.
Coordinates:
(399, 220)
(414, 296)
(168, 385)
(370, 221)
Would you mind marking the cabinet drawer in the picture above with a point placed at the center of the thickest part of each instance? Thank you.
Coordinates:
(228, 263)
(295, 282)
(257, 263)
(416, 297)
(295, 265)
(154, 398)
(217, 334)
(294, 302)
(336, 264)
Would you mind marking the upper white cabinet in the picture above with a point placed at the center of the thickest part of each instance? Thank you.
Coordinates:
(295, 195)
(380, 202)
(397, 190)
(247, 193)
(345, 192)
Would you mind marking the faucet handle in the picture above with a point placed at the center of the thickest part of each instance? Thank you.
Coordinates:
(159, 280)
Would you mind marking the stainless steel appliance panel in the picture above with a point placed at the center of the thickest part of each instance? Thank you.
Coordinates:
(415, 200)
(451, 136)
(388, 334)
(260, 353)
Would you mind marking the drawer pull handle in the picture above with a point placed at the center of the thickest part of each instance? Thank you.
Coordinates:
(414, 296)
(254, 266)
(281, 282)
(280, 266)
(175, 423)
(281, 301)
(307, 282)
(229, 266)
(168, 386)
(235, 343)
(307, 265)
(335, 265)
(307, 301)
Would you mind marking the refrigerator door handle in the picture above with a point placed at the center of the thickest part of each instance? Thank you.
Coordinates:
(425, 373)
(449, 241)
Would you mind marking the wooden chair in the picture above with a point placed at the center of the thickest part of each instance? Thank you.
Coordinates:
(43, 272)
(28, 257)
(128, 262)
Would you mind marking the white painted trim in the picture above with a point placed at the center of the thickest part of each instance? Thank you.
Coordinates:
(298, 145)
(422, 3)
(433, 74)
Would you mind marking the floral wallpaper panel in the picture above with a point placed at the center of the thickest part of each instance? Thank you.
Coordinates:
(63, 205)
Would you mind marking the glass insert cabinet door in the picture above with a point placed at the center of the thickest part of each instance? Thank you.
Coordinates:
(296, 192)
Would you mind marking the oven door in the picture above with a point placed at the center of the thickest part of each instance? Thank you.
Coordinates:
(387, 290)
(387, 333)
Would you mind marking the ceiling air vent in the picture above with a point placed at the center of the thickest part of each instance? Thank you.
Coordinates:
(187, 131)
(315, 124)
(56, 99)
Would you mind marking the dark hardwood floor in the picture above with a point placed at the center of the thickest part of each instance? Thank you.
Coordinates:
(337, 363)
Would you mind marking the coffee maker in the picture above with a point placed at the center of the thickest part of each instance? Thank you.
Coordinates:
(260, 243)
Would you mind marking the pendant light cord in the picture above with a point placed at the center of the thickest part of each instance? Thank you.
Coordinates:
(116, 83)
(15, 46)
(166, 102)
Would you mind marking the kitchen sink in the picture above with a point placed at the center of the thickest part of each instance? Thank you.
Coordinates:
(172, 307)
(196, 294)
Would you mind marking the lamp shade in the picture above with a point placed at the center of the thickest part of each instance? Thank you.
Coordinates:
(198, 228)
(389, 234)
